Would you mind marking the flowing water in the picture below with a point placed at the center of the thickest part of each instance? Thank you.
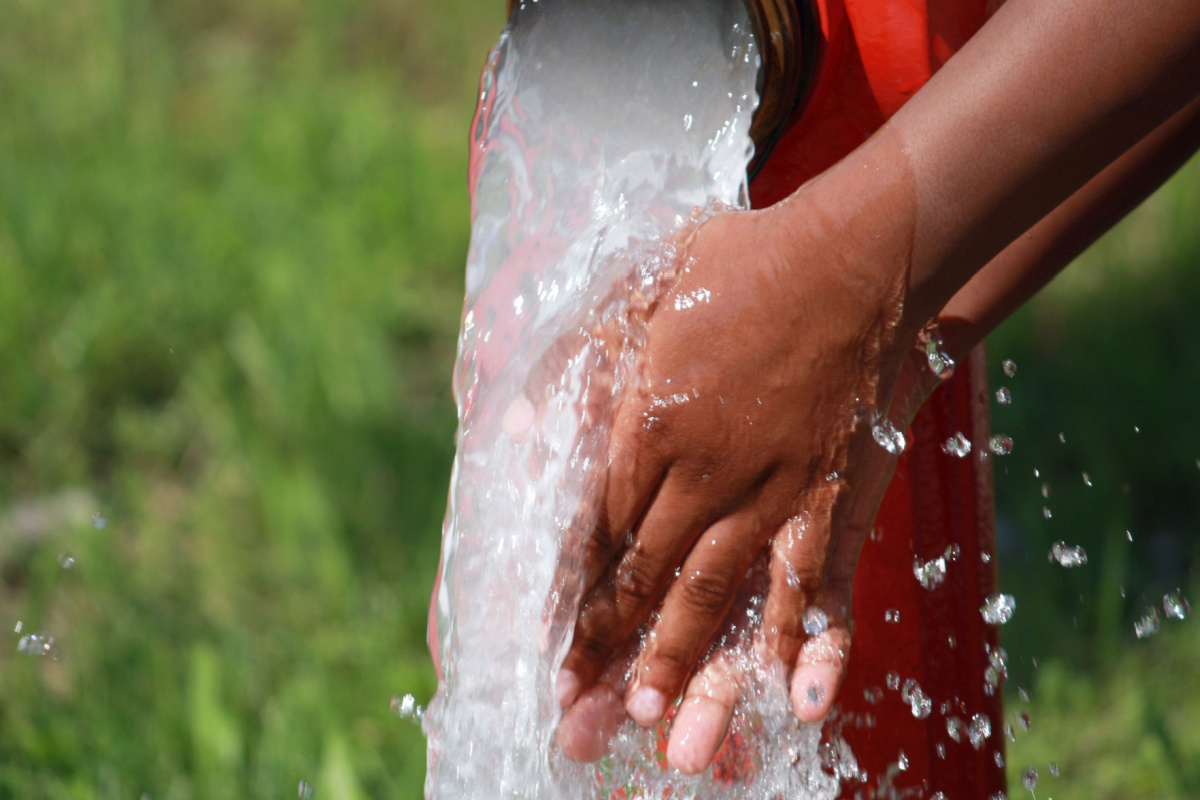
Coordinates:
(603, 128)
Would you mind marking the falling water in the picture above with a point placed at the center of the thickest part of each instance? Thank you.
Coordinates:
(604, 128)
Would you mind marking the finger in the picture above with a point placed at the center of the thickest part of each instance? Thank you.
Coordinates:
(798, 557)
(820, 672)
(692, 611)
(703, 718)
(587, 727)
(623, 598)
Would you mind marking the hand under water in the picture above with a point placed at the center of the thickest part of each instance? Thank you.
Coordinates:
(748, 431)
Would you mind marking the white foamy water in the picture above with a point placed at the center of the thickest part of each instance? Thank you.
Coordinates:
(602, 126)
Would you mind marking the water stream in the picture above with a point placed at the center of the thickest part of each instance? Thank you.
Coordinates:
(603, 128)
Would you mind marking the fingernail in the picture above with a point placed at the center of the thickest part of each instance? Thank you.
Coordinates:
(646, 706)
(696, 734)
(810, 691)
(566, 688)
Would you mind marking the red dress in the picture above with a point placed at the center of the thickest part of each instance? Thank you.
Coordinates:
(874, 54)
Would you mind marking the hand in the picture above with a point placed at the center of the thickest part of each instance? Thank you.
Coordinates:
(763, 369)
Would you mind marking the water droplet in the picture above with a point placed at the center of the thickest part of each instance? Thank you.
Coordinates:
(1053, 768)
(998, 758)
(902, 762)
(921, 704)
(831, 477)
(940, 747)
(1062, 437)
(873, 695)
(793, 577)
(955, 728)
(1087, 481)
(893, 681)
(816, 693)
(815, 621)
(886, 435)
(1045, 490)
(932, 573)
(892, 615)
(1046, 513)
(953, 551)
(938, 795)
(1066, 555)
(998, 796)
(1023, 693)
(36, 644)
(1023, 721)
(1148, 624)
(940, 362)
(99, 520)
(957, 445)
(306, 790)
(405, 706)
(985, 557)
(1029, 778)
(979, 730)
(65, 560)
(1009, 733)
(998, 609)
(19, 626)
(1009, 366)
(997, 668)
(1175, 605)
(1000, 444)
(1003, 396)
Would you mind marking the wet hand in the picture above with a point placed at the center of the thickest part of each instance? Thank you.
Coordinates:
(747, 433)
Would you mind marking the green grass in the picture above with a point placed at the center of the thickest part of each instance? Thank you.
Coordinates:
(231, 240)
(231, 246)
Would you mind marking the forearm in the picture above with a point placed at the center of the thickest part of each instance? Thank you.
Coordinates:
(1033, 259)
(1042, 99)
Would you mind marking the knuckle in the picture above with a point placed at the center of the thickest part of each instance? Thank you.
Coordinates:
(601, 544)
(673, 661)
(636, 583)
(706, 593)
(590, 644)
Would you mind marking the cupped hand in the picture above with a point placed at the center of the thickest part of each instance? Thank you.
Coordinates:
(748, 432)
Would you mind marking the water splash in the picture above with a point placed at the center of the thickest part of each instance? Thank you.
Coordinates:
(998, 609)
(1000, 444)
(930, 574)
(1148, 624)
(979, 730)
(575, 197)
(1175, 605)
(886, 435)
(36, 644)
(1067, 555)
(957, 445)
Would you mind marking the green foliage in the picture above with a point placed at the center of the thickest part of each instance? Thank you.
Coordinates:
(231, 241)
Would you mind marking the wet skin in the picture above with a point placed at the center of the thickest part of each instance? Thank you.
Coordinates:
(814, 306)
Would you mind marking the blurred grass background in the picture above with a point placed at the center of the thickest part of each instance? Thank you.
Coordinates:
(231, 245)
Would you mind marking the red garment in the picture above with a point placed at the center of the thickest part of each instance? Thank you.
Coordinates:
(875, 54)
